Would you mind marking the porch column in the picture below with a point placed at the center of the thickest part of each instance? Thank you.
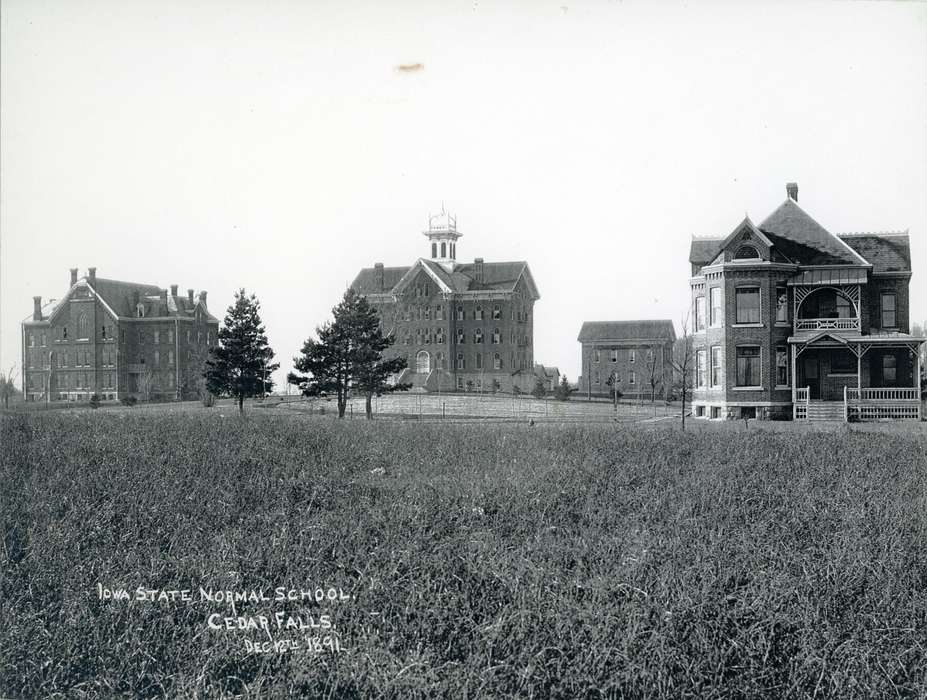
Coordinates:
(859, 371)
(794, 375)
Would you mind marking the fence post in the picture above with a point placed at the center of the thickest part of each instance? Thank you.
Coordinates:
(443, 414)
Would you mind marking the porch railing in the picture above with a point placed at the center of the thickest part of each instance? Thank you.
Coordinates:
(827, 324)
(881, 394)
(800, 408)
(874, 403)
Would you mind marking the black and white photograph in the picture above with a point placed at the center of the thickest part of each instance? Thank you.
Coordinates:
(463, 349)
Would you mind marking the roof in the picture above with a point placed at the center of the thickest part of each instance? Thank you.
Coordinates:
(804, 240)
(704, 250)
(544, 371)
(498, 276)
(595, 331)
(121, 298)
(795, 235)
(888, 252)
(845, 337)
(819, 277)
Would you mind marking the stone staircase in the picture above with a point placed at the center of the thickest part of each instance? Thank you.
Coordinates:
(830, 411)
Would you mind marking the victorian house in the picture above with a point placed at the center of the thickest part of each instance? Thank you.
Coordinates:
(116, 339)
(791, 320)
(460, 326)
(635, 356)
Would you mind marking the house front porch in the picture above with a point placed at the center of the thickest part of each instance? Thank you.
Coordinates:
(869, 377)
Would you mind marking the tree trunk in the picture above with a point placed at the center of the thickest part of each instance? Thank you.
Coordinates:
(241, 404)
(369, 408)
(683, 406)
(342, 403)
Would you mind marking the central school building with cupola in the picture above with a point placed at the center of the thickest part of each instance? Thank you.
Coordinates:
(460, 326)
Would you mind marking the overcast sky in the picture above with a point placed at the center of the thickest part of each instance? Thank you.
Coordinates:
(276, 145)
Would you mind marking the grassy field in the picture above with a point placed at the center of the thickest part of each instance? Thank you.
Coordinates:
(555, 560)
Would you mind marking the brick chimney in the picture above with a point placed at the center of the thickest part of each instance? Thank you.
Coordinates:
(173, 290)
(92, 274)
(135, 300)
(190, 296)
(791, 189)
(378, 276)
(36, 308)
(203, 298)
(478, 269)
(163, 293)
(73, 276)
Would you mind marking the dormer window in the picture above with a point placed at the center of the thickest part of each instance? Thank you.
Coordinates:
(140, 310)
(746, 252)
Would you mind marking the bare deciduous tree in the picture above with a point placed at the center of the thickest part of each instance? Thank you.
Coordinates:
(683, 357)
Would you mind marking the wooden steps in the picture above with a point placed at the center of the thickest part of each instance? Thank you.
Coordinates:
(830, 411)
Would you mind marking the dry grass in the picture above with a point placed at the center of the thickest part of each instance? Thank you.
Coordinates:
(486, 560)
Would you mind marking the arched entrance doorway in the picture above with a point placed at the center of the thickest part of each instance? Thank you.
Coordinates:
(422, 362)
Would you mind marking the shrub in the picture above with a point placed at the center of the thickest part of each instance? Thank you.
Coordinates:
(209, 399)
(95, 401)
(129, 400)
(539, 391)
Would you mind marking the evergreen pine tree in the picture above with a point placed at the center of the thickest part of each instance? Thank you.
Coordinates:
(348, 355)
(241, 364)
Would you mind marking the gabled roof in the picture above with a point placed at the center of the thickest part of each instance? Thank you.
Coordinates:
(804, 240)
(593, 331)
(500, 276)
(120, 299)
(888, 252)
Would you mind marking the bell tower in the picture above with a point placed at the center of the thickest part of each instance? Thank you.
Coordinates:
(442, 236)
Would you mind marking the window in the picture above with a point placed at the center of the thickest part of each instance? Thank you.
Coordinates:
(596, 355)
(478, 313)
(209, 337)
(748, 304)
(614, 353)
(497, 361)
(170, 336)
(782, 305)
(157, 358)
(157, 336)
(426, 313)
(439, 360)
(496, 312)
(461, 336)
(716, 365)
(439, 335)
(700, 367)
(746, 252)
(140, 310)
(716, 312)
(844, 309)
(82, 326)
(461, 362)
(64, 333)
(460, 313)
(596, 377)
(443, 249)
(631, 355)
(782, 366)
(649, 356)
(439, 313)
(699, 313)
(434, 249)
(479, 360)
(496, 337)
(889, 369)
(748, 366)
(478, 335)
(632, 378)
(889, 319)
(188, 335)
(32, 340)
